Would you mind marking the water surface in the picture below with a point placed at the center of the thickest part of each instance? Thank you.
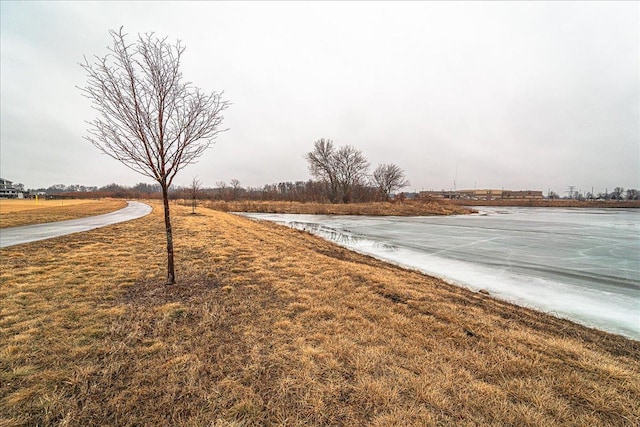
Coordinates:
(580, 264)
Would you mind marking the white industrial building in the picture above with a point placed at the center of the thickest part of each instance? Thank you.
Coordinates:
(8, 191)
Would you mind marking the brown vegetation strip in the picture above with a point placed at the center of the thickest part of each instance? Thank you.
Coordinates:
(405, 208)
(537, 203)
(14, 213)
(272, 326)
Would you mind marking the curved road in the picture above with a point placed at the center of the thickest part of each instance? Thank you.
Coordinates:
(31, 233)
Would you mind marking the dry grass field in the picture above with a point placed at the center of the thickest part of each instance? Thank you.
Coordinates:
(406, 208)
(16, 212)
(272, 326)
(593, 204)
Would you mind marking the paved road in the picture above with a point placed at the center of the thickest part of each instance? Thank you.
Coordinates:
(31, 233)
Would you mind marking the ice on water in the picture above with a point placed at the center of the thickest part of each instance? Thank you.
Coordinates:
(581, 264)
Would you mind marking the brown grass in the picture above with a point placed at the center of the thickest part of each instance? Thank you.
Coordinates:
(406, 208)
(551, 203)
(16, 212)
(272, 326)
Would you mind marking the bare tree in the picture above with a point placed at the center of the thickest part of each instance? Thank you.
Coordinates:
(617, 193)
(149, 118)
(221, 186)
(351, 170)
(235, 188)
(194, 192)
(389, 178)
(322, 166)
(341, 169)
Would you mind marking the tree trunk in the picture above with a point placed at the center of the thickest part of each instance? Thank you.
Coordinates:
(171, 276)
(346, 194)
(333, 191)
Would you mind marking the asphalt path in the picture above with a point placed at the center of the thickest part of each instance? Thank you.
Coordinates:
(31, 233)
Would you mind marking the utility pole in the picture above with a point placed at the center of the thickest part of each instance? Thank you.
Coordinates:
(455, 178)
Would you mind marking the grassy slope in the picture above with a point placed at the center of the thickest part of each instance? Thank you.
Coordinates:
(24, 212)
(271, 326)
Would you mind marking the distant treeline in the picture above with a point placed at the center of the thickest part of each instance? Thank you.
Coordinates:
(342, 176)
(299, 191)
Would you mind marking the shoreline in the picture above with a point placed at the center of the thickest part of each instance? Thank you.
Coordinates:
(475, 278)
(595, 204)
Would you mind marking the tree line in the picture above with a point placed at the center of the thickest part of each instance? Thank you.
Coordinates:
(344, 173)
(618, 193)
(298, 191)
(341, 176)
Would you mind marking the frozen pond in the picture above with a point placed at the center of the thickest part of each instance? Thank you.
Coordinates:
(581, 264)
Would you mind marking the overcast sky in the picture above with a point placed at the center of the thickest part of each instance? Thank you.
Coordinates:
(510, 95)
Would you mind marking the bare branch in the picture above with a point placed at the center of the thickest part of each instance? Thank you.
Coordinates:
(148, 117)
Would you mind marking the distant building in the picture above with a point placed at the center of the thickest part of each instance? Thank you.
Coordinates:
(7, 190)
(442, 194)
(528, 194)
(485, 194)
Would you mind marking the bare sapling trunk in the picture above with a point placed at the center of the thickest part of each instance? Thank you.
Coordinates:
(194, 191)
(171, 274)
